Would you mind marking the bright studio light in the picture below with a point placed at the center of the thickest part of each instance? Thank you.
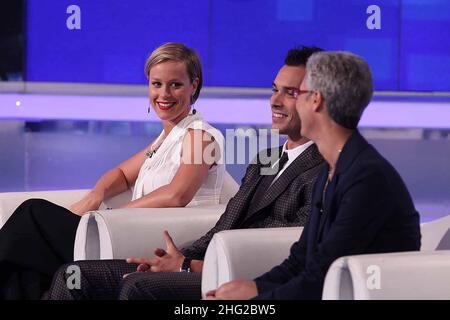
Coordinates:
(18, 103)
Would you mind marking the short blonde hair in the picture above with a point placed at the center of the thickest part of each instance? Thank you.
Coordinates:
(176, 51)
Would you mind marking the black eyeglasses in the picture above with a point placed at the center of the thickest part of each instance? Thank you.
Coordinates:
(291, 92)
(298, 92)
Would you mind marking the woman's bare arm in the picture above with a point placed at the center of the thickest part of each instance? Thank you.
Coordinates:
(112, 183)
(198, 156)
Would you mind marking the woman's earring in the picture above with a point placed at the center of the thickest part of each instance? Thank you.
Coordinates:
(192, 102)
(148, 110)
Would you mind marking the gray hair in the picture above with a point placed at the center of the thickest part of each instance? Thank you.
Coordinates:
(345, 81)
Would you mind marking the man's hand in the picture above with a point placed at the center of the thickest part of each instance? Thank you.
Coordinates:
(234, 290)
(169, 260)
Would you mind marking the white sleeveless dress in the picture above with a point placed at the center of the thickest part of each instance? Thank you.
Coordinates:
(160, 169)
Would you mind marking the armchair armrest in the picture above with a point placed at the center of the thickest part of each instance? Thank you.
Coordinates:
(9, 201)
(123, 233)
(245, 254)
(403, 275)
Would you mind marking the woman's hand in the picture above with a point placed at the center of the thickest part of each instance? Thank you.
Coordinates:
(91, 201)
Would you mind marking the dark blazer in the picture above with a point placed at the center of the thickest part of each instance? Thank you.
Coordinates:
(286, 204)
(367, 209)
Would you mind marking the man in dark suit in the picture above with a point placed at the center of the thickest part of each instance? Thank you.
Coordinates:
(360, 204)
(278, 200)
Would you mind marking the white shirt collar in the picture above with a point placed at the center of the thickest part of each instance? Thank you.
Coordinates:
(292, 155)
(295, 152)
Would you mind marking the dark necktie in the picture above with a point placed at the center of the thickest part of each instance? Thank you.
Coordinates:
(265, 182)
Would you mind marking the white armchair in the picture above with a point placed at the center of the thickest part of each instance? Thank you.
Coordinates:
(124, 233)
(389, 276)
(407, 275)
(245, 254)
(248, 253)
(121, 233)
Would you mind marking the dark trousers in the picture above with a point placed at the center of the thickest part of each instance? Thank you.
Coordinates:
(103, 279)
(35, 241)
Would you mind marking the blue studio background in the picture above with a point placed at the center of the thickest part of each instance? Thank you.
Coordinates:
(241, 42)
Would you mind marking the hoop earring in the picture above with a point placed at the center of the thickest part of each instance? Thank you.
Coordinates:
(194, 111)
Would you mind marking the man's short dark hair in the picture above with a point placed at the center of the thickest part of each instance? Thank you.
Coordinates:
(299, 56)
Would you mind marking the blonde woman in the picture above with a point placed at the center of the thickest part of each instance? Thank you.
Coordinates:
(181, 167)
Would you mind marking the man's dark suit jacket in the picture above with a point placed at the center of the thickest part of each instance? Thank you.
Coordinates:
(285, 204)
(367, 209)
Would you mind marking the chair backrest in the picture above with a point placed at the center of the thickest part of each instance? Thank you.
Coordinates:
(436, 234)
(118, 200)
(242, 254)
(229, 188)
(404, 275)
